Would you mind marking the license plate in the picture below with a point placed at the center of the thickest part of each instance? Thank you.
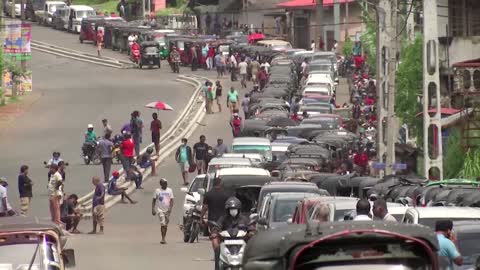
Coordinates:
(234, 242)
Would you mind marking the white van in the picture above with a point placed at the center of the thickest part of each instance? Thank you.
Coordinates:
(254, 145)
(77, 13)
(219, 163)
(321, 80)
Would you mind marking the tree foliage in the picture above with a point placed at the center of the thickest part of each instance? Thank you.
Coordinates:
(471, 165)
(454, 155)
(369, 39)
(347, 47)
(409, 84)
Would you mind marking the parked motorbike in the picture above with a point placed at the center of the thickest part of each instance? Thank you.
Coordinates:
(232, 246)
(117, 151)
(90, 153)
(192, 223)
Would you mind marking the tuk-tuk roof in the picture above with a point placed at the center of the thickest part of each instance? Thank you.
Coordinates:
(149, 44)
(95, 18)
(19, 223)
(276, 244)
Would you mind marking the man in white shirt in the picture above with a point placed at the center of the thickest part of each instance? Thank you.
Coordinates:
(363, 210)
(265, 65)
(243, 66)
(5, 208)
(55, 193)
(162, 205)
(312, 46)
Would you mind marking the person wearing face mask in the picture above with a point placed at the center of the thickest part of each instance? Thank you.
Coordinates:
(231, 219)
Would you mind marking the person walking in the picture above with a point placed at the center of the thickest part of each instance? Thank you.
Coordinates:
(55, 193)
(233, 67)
(245, 104)
(99, 42)
(312, 45)
(236, 124)
(208, 107)
(155, 127)
(162, 205)
(106, 128)
(137, 127)
(183, 156)
(127, 148)
(218, 65)
(98, 206)
(223, 63)
(263, 78)
(210, 56)
(194, 54)
(448, 243)
(218, 95)
(105, 146)
(25, 190)
(243, 66)
(5, 207)
(200, 154)
(214, 203)
(220, 148)
(232, 99)
(380, 211)
(255, 67)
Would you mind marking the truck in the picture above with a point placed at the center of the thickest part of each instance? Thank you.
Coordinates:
(44, 16)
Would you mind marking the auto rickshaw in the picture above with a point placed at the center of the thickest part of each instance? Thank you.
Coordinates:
(88, 29)
(109, 38)
(149, 54)
(29, 243)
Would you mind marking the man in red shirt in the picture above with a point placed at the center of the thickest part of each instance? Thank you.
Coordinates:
(361, 159)
(155, 127)
(128, 150)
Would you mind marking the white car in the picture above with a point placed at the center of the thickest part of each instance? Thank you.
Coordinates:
(77, 13)
(254, 145)
(255, 158)
(192, 196)
(228, 162)
(429, 215)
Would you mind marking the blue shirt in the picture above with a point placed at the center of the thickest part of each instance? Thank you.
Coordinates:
(99, 195)
(447, 249)
(112, 185)
(183, 154)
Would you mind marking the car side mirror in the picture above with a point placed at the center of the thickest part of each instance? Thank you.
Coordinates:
(254, 218)
(201, 191)
(262, 221)
(275, 173)
(184, 189)
(68, 256)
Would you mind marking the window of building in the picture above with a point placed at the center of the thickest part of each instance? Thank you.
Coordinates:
(463, 17)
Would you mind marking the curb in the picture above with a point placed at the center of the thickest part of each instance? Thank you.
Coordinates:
(196, 104)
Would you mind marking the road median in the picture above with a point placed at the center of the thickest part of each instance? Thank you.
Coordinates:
(184, 126)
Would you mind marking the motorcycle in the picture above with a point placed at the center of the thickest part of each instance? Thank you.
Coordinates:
(117, 151)
(90, 153)
(232, 246)
(192, 222)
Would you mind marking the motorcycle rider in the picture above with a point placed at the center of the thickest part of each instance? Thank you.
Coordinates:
(175, 59)
(232, 219)
(55, 159)
(90, 141)
(135, 48)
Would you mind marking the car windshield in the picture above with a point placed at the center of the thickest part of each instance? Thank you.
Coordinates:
(53, 8)
(331, 123)
(18, 256)
(307, 101)
(468, 243)
(198, 183)
(265, 150)
(84, 13)
(283, 210)
(320, 68)
(151, 50)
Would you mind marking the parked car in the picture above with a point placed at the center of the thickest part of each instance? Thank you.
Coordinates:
(45, 15)
(429, 215)
(18, 7)
(228, 162)
(77, 13)
(60, 18)
(28, 241)
(277, 209)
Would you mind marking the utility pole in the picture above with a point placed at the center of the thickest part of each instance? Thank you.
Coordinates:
(431, 90)
(318, 27)
(336, 19)
(392, 68)
(23, 62)
(383, 12)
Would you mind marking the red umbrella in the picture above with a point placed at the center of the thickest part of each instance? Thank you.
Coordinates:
(159, 106)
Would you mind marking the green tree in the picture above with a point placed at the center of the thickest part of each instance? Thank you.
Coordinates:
(471, 165)
(347, 47)
(369, 39)
(454, 155)
(409, 83)
(2, 93)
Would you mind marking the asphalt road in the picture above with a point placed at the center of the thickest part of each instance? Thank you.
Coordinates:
(75, 94)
